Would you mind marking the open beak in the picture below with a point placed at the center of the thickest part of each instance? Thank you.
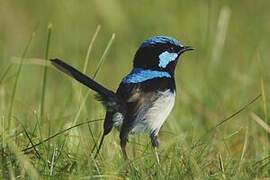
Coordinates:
(186, 48)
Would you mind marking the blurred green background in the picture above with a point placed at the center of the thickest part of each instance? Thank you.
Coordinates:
(228, 69)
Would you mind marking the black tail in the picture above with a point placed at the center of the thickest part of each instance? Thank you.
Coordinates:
(87, 81)
(107, 97)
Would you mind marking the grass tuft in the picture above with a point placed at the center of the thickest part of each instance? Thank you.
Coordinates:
(14, 89)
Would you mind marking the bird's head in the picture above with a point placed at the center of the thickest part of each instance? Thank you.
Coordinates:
(159, 53)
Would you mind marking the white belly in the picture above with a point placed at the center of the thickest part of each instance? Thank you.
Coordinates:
(150, 120)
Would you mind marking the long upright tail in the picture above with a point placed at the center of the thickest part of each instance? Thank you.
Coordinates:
(106, 96)
(82, 78)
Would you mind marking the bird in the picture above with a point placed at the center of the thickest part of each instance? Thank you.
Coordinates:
(145, 96)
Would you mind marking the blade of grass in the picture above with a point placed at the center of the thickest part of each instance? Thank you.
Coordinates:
(31, 142)
(236, 113)
(221, 165)
(3, 147)
(11, 173)
(101, 61)
(93, 138)
(5, 73)
(224, 18)
(264, 99)
(90, 49)
(260, 122)
(86, 61)
(30, 61)
(23, 160)
(94, 76)
(262, 86)
(44, 82)
(52, 162)
(227, 119)
(243, 150)
(14, 89)
(88, 92)
(245, 145)
(35, 127)
(104, 55)
(59, 133)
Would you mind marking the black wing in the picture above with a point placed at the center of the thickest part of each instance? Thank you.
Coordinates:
(138, 95)
(134, 96)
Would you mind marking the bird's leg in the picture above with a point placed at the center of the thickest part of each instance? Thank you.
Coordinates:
(123, 143)
(154, 140)
(155, 145)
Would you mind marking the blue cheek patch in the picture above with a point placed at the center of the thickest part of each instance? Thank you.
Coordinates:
(165, 58)
(138, 75)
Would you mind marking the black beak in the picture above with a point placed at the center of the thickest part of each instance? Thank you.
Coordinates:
(186, 48)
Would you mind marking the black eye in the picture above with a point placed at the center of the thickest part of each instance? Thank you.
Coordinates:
(171, 49)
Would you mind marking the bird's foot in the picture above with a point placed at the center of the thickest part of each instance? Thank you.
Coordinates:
(154, 141)
(155, 145)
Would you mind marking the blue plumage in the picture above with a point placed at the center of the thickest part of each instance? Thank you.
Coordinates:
(160, 40)
(138, 75)
(166, 57)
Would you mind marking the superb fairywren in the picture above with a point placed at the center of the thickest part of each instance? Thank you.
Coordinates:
(145, 97)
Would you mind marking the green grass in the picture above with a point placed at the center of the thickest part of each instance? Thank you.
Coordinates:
(50, 124)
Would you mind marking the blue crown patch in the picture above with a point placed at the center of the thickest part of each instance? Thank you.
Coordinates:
(162, 40)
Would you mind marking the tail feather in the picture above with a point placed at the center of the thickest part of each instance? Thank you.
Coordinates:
(107, 97)
(87, 81)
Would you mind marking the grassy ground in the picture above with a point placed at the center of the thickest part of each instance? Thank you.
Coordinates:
(229, 68)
